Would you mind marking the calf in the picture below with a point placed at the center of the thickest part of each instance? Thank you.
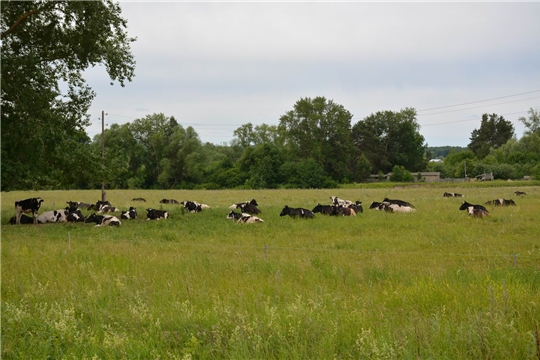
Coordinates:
(169, 201)
(103, 220)
(23, 220)
(325, 209)
(54, 216)
(239, 205)
(294, 212)
(129, 214)
(447, 194)
(27, 206)
(501, 202)
(153, 214)
(466, 206)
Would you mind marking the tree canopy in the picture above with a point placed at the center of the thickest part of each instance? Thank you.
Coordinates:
(494, 132)
(46, 46)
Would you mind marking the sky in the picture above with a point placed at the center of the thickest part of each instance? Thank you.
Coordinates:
(216, 66)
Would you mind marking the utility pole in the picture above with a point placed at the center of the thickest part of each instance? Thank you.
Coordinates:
(103, 194)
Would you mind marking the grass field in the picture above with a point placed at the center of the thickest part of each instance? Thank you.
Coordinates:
(434, 284)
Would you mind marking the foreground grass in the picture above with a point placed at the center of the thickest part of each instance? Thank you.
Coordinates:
(432, 284)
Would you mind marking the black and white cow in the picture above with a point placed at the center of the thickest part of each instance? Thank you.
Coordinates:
(249, 219)
(75, 216)
(467, 206)
(519, 193)
(250, 208)
(129, 214)
(53, 216)
(325, 209)
(169, 201)
(501, 202)
(239, 205)
(27, 206)
(191, 206)
(23, 220)
(394, 207)
(337, 201)
(233, 215)
(107, 209)
(398, 202)
(103, 220)
(447, 194)
(139, 199)
(375, 205)
(153, 214)
(294, 212)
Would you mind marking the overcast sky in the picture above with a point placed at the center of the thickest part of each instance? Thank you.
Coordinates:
(218, 65)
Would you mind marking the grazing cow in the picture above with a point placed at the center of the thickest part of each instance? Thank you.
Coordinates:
(466, 206)
(447, 194)
(501, 202)
(139, 199)
(346, 211)
(239, 205)
(325, 209)
(294, 212)
(153, 214)
(192, 206)
(477, 212)
(54, 216)
(23, 220)
(393, 207)
(107, 209)
(103, 220)
(519, 193)
(27, 206)
(129, 214)
(337, 201)
(169, 201)
(250, 209)
(249, 219)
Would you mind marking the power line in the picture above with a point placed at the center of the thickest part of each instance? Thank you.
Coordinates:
(476, 107)
(475, 119)
(474, 102)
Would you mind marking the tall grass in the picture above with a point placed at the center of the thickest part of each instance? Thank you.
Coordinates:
(431, 284)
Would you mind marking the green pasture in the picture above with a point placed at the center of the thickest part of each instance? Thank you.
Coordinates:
(434, 284)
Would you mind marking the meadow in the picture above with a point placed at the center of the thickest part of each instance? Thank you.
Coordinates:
(433, 284)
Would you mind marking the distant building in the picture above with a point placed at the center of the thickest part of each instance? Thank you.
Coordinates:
(436, 160)
(425, 176)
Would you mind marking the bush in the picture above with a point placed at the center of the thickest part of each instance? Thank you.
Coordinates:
(400, 174)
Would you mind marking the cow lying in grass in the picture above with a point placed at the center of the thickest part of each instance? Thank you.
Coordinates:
(103, 220)
(23, 220)
(501, 202)
(294, 212)
(153, 214)
(243, 218)
(474, 210)
(129, 214)
(393, 205)
(447, 194)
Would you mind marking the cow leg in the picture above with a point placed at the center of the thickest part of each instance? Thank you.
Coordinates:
(18, 214)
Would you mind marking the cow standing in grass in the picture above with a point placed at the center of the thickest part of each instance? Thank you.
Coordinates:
(27, 206)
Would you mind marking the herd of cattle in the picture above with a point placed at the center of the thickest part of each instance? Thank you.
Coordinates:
(248, 210)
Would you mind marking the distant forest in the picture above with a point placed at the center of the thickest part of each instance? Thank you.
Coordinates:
(440, 152)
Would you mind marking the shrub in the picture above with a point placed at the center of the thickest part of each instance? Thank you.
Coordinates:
(400, 174)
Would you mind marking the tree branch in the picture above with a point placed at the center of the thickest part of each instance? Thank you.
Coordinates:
(21, 18)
